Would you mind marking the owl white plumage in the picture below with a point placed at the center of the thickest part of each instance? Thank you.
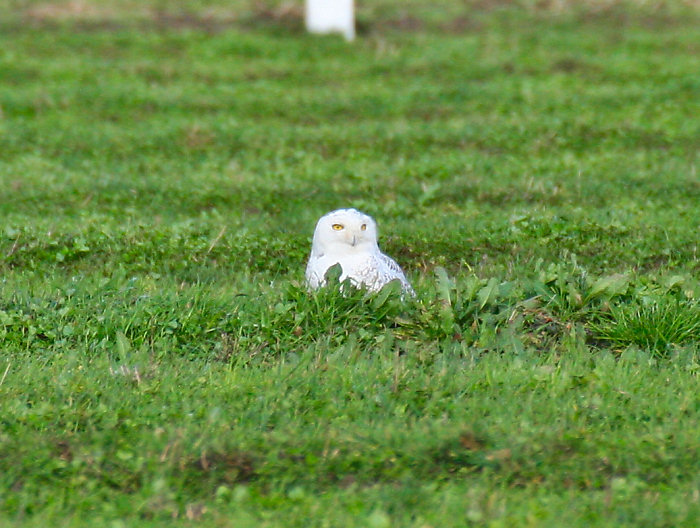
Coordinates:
(349, 237)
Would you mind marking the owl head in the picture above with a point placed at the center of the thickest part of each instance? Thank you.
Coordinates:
(344, 231)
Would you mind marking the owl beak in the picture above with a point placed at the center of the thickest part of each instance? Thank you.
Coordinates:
(354, 240)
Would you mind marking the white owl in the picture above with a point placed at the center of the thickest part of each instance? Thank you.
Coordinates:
(349, 238)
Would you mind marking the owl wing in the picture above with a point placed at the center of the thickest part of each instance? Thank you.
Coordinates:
(314, 279)
(395, 272)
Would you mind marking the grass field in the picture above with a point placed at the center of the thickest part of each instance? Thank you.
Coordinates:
(533, 168)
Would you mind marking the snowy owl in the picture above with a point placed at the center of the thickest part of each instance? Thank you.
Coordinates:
(349, 238)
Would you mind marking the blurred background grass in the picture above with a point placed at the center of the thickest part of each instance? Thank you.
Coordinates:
(410, 15)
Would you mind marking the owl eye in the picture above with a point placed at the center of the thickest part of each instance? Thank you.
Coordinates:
(337, 227)
(363, 227)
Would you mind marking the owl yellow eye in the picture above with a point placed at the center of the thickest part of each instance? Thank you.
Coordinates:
(337, 227)
(363, 227)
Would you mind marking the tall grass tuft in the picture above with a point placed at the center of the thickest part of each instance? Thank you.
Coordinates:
(653, 325)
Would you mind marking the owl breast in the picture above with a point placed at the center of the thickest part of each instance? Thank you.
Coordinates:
(370, 271)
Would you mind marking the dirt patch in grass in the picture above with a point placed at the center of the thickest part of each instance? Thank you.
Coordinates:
(228, 468)
(74, 10)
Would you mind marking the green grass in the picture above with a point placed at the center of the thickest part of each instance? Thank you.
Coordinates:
(533, 168)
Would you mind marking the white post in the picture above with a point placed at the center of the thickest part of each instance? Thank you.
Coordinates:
(331, 16)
